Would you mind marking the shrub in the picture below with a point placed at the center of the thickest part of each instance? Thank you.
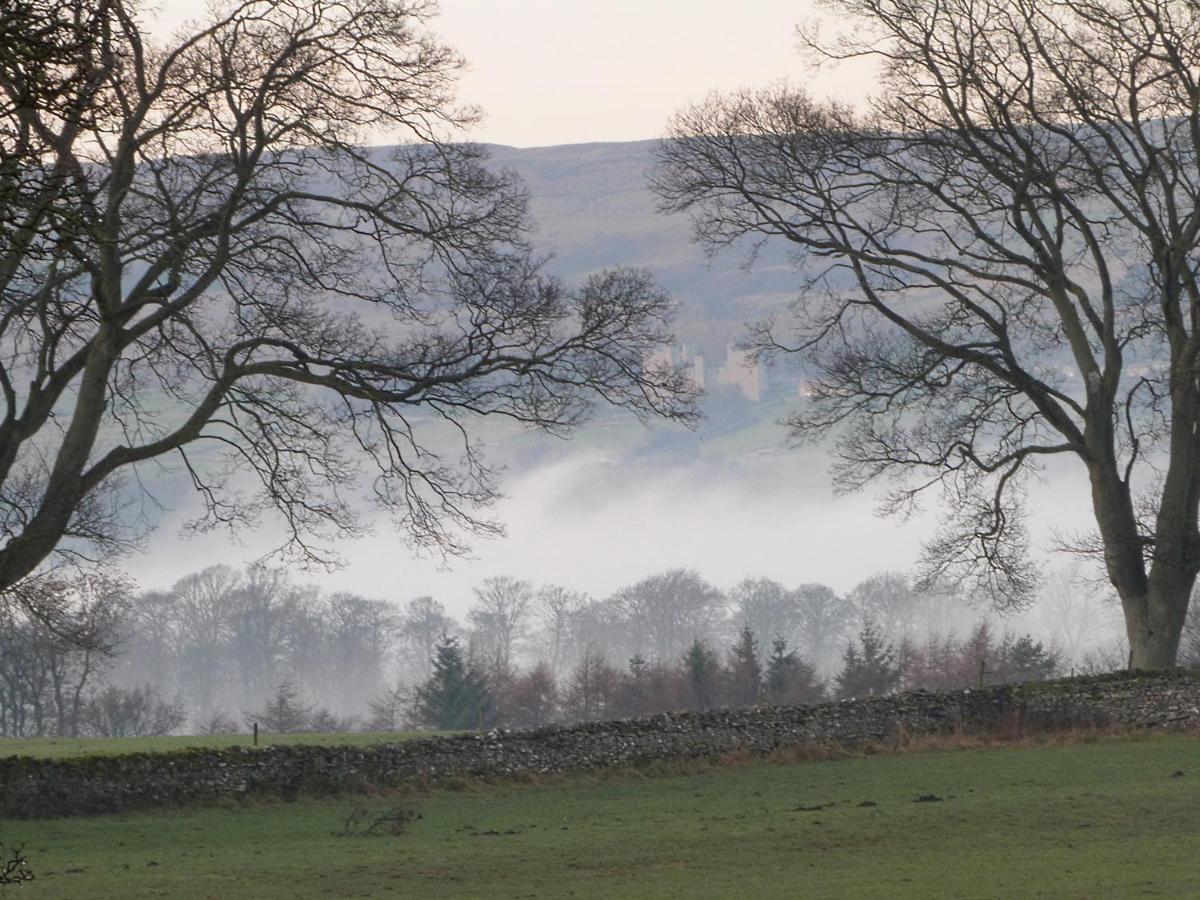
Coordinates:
(131, 712)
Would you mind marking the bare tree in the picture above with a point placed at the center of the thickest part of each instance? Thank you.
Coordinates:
(557, 610)
(1003, 271)
(767, 609)
(499, 620)
(149, 643)
(666, 613)
(131, 712)
(888, 600)
(1079, 615)
(591, 688)
(285, 713)
(423, 623)
(388, 710)
(49, 661)
(262, 605)
(206, 611)
(1189, 645)
(533, 698)
(358, 634)
(202, 263)
(826, 621)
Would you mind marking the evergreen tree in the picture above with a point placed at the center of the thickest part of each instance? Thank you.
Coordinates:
(1028, 660)
(790, 681)
(744, 682)
(633, 695)
(870, 668)
(284, 713)
(702, 671)
(456, 697)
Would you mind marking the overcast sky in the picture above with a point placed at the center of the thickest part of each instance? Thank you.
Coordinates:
(573, 71)
(570, 71)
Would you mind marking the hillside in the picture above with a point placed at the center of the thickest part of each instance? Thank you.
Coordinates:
(592, 209)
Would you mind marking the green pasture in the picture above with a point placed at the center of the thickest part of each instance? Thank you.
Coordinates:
(1108, 818)
(60, 747)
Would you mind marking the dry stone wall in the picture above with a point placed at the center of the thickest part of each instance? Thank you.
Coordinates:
(89, 785)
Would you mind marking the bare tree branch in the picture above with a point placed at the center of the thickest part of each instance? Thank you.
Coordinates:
(1007, 238)
(202, 262)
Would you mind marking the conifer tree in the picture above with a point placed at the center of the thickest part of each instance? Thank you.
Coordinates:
(869, 669)
(790, 681)
(285, 712)
(1029, 660)
(456, 697)
(745, 673)
(702, 670)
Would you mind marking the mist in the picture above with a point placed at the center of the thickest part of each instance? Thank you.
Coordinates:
(594, 522)
(591, 523)
(620, 499)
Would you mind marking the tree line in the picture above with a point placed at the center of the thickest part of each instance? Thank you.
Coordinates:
(222, 649)
(462, 694)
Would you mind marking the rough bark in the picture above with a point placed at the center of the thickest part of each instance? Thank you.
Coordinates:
(1154, 622)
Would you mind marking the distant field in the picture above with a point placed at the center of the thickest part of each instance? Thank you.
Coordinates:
(1113, 818)
(59, 747)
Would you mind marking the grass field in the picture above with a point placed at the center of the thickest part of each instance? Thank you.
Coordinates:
(60, 747)
(1109, 818)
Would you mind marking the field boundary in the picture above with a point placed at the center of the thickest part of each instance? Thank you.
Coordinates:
(35, 788)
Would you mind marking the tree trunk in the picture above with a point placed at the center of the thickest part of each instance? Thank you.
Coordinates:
(1156, 602)
(1154, 623)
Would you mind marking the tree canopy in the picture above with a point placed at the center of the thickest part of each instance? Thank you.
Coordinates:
(1000, 268)
(202, 264)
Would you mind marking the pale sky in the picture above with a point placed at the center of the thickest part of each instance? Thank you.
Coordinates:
(573, 71)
